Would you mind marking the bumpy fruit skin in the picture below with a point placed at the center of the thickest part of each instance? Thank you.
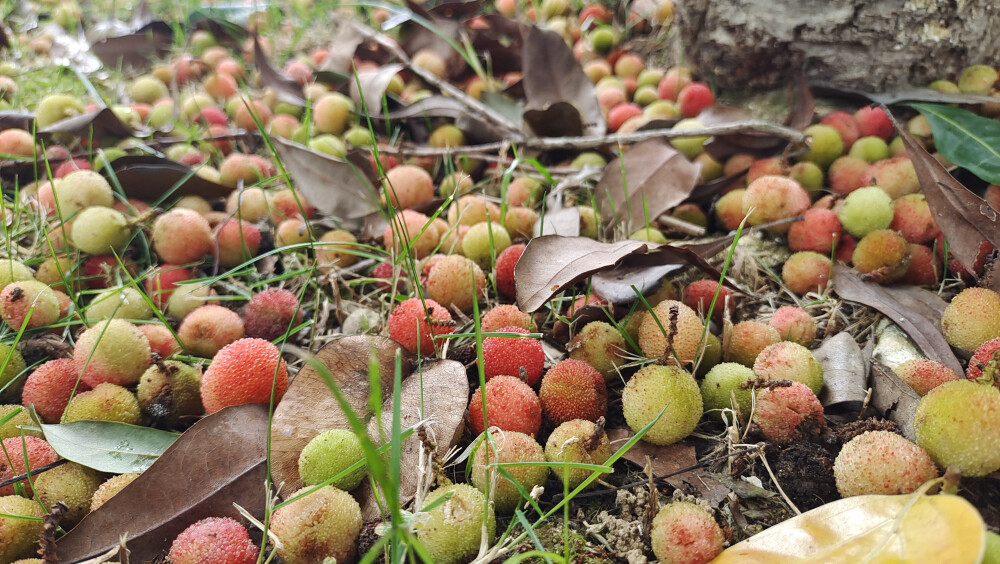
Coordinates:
(770, 198)
(71, 483)
(794, 324)
(31, 301)
(923, 375)
(653, 341)
(925, 267)
(109, 488)
(881, 463)
(38, 451)
(789, 361)
(244, 371)
(685, 533)
(181, 236)
(826, 145)
(865, 210)
(170, 391)
(506, 356)
(806, 271)
(972, 318)
(221, 540)
(600, 345)
(818, 231)
(13, 271)
(50, 386)
(15, 366)
(511, 405)
(208, 328)
(576, 441)
(339, 253)
(508, 446)
(470, 210)
(844, 123)
(913, 219)
(722, 383)
(270, 313)
(729, 209)
(235, 242)
(897, 176)
(106, 402)
(698, 296)
(654, 388)
(990, 350)
(79, 190)
(100, 231)
(19, 537)
(873, 121)
(504, 315)
(455, 281)
(573, 389)
(161, 340)
(958, 424)
(882, 255)
(408, 185)
(483, 241)
(407, 230)
(409, 325)
(16, 424)
(747, 339)
(325, 523)
(113, 351)
(330, 453)
(453, 530)
(787, 413)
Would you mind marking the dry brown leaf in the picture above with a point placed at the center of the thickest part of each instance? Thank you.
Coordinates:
(894, 398)
(372, 87)
(565, 221)
(14, 118)
(924, 332)
(665, 459)
(101, 122)
(219, 461)
(285, 87)
(561, 100)
(965, 219)
(943, 529)
(148, 177)
(551, 263)
(653, 178)
(342, 46)
(845, 372)
(309, 408)
(149, 43)
(342, 188)
(802, 105)
(501, 39)
(902, 93)
(432, 106)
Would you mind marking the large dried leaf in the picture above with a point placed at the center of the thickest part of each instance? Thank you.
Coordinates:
(924, 332)
(373, 84)
(845, 372)
(653, 178)
(666, 460)
(943, 529)
(552, 263)
(342, 188)
(139, 49)
(342, 45)
(438, 391)
(99, 123)
(108, 446)
(561, 100)
(894, 399)
(501, 39)
(287, 89)
(148, 177)
(219, 461)
(14, 118)
(965, 219)
(564, 221)
(802, 105)
(432, 106)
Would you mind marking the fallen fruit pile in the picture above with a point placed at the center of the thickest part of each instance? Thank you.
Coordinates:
(166, 254)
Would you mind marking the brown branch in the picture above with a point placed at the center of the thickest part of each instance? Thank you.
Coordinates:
(595, 141)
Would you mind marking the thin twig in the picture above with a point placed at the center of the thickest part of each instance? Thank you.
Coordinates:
(594, 141)
(34, 472)
(774, 479)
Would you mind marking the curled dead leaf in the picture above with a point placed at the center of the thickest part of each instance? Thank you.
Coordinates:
(437, 391)
(561, 100)
(220, 461)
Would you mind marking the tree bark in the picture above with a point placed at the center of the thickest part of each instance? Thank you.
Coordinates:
(857, 43)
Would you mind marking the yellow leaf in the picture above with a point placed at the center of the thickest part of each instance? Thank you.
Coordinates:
(871, 529)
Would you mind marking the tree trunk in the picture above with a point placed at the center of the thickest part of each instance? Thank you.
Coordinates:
(858, 43)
